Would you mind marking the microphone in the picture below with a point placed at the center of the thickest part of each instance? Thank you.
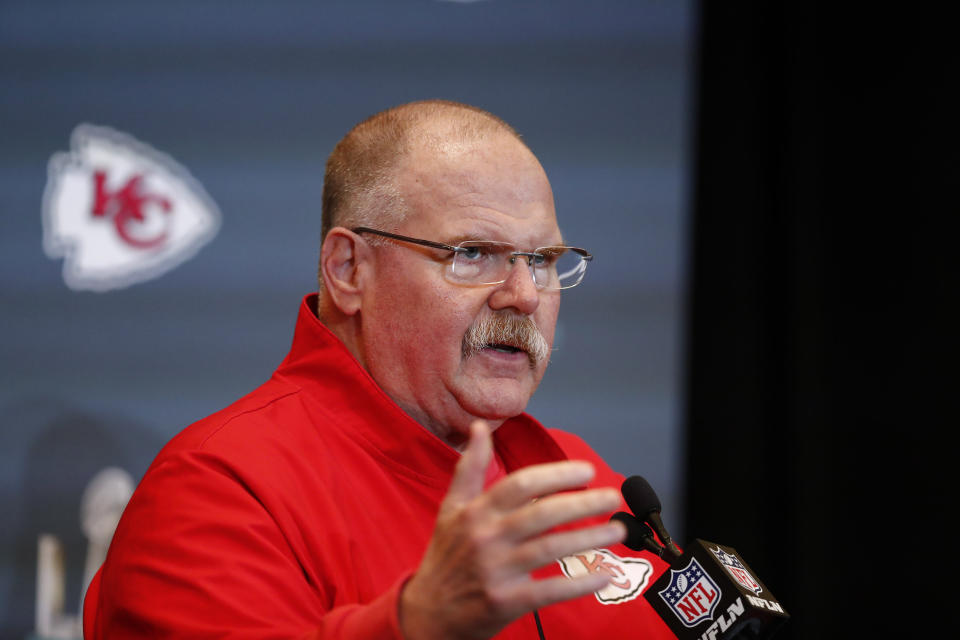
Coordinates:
(709, 592)
(639, 535)
(643, 501)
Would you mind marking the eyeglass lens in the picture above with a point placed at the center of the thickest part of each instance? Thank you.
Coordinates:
(491, 263)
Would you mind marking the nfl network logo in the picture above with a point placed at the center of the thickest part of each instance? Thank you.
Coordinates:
(692, 594)
(736, 570)
(120, 212)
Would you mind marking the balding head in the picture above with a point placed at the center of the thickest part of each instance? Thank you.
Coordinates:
(360, 186)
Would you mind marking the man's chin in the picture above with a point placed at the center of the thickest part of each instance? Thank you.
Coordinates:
(496, 400)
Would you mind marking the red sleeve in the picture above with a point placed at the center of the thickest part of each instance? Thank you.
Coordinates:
(214, 563)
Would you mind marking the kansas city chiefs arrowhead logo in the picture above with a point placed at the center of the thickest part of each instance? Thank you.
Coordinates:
(628, 576)
(119, 212)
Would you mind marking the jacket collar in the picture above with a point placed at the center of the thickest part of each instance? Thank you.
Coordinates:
(341, 389)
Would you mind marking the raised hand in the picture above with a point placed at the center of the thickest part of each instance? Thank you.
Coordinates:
(474, 578)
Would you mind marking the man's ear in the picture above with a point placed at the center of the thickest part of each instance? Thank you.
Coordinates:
(342, 260)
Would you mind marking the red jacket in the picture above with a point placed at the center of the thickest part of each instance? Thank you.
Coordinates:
(299, 511)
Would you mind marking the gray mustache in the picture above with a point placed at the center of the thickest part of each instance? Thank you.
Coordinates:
(507, 327)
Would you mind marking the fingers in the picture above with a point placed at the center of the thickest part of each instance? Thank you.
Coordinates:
(471, 470)
(546, 513)
(532, 482)
(540, 551)
(524, 596)
(558, 589)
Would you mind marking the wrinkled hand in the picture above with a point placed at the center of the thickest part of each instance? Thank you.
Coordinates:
(474, 578)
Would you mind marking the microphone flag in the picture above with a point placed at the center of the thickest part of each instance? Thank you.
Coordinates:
(710, 593)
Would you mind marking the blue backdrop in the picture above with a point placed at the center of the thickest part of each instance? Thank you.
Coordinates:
(251, 97)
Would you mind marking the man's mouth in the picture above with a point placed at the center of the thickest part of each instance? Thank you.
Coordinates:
(506, 333)
(503, 348)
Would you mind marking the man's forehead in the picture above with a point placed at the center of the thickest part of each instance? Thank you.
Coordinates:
(451, 138)
(488, 186)
(456, 225)
(499, 234)
(469, 172)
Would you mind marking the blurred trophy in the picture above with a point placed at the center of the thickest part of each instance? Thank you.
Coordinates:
(102, 503)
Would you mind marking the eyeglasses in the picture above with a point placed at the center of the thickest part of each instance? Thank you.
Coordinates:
(482, 262)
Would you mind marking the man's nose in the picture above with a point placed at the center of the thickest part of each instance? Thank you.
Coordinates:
(518, 291)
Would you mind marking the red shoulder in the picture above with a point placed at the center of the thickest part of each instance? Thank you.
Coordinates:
(576, 449)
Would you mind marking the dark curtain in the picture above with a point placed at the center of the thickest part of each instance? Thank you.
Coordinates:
(821, 325)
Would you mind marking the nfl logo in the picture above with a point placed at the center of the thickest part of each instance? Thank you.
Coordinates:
(692, 594)
(736, 569)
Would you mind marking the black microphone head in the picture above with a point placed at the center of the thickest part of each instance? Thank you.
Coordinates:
(637, 532)
(640, 496)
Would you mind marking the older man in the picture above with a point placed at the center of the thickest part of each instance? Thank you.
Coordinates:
(385, 482)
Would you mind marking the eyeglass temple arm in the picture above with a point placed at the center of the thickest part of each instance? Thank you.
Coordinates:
(586, 255)
(397, 236)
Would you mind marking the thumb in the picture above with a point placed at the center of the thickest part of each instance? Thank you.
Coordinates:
(471, 470)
